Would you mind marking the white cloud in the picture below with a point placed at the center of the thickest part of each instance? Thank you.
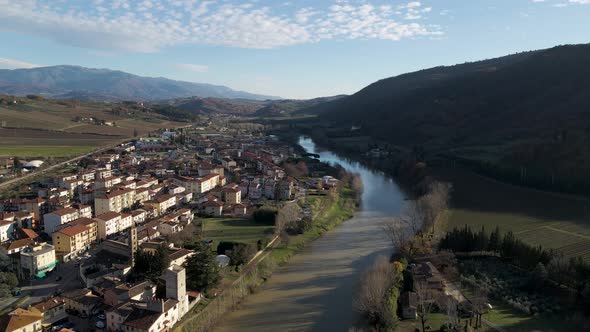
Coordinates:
(192, 67)
(150, 25)
(6, 63)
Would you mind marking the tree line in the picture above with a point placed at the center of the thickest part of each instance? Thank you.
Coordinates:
(573, 272)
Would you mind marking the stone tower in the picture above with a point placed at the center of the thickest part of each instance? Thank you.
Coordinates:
(176, 286)
(132, 245)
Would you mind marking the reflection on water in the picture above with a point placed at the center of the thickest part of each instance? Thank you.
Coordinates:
(315, 290)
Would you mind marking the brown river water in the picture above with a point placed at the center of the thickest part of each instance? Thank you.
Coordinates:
(315, 290)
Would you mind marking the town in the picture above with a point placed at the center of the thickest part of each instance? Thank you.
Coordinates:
(75, 245)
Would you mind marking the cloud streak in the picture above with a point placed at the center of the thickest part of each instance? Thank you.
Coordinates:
(192, 67)
(6, 63)
(148, 26)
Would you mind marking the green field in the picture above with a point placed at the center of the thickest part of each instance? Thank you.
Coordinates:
(232, 229)
(43, 151)
(553, 221)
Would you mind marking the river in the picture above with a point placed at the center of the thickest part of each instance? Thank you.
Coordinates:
(315, 290)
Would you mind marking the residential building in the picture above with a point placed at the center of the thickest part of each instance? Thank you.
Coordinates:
(7, 229)
(162, 203)
(21, 320)
(114, 201)
(213, 208)
(53, 310)
(70, 241)
(36, 260)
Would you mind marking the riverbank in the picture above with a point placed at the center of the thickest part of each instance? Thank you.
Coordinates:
(329, 211)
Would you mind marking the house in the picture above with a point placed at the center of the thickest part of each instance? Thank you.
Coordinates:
(428, 274)
(53, 310)
(408, 301)
(122, 293)
(170, 227)
(36, 260)
(21, 320)
(231, 196)
(16, 246)
(82, 301)
(213, 208)
(239, 210)
(7, 229)
(162, 203)
(161, 314)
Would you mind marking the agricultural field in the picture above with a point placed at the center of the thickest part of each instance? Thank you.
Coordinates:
(236, 230)
(555, 221)
(55, 151)
(52, 128)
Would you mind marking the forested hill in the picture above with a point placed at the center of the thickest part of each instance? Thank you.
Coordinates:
(528, 110)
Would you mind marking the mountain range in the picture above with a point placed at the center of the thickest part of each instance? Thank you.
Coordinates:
(107, 85)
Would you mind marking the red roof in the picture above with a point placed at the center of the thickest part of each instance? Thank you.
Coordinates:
(73, 230)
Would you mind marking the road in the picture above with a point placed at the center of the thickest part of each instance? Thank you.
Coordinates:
(11, 182)
(39, 289)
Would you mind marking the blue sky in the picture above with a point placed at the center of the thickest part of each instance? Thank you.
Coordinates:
(289, 48)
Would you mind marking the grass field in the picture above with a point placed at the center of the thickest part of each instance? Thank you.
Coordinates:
(44, 151)
(553, 221)
(232, 229)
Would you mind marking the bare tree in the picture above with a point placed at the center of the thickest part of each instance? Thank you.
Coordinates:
(433, 204)
(424, 301)
(479, 303)
(374, 284)
(449, 306)
(398, 233)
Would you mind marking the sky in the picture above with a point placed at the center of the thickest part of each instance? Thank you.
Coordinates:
(288, 48)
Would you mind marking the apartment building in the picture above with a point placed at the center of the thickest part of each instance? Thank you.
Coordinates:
(114, 201)
(36, 260)
(70, 241)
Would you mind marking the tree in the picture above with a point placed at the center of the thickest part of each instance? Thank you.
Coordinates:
(424, 302)
(242, 253)
(378, 292)
(398, 234)
(539, 276)
(202, 272)
(151, 265)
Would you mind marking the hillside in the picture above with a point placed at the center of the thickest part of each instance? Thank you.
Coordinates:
(292, 106)
(41, 127)
(260, 108)
(76, 82)
(526, 113)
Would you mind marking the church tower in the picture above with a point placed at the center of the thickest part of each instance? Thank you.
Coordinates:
(132, 245)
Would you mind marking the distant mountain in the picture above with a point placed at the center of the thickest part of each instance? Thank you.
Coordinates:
(524, 111)
(104, 84)
(264, 108)
(292, 106)
(217, 105)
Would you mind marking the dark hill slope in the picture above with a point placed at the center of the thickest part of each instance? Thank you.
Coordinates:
(527, 110)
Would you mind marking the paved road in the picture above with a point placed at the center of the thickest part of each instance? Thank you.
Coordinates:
(39, 289)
